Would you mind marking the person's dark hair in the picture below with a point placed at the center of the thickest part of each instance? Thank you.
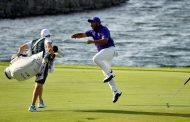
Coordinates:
(55, 48)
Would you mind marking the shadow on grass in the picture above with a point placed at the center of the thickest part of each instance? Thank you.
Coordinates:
(180, 106)
(136, 113)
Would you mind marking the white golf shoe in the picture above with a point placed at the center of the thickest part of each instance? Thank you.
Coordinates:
(41, 105)
(32, 108)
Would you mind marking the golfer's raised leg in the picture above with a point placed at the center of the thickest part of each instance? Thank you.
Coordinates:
(99, 60)
(115, 91)
(103, 60)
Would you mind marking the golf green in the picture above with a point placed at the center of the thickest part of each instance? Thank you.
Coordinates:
(76, 94)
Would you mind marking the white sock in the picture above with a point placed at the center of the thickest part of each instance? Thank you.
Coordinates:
(113, 87)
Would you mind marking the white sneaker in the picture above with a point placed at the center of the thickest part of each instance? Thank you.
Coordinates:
(32, 108)
(41, 105)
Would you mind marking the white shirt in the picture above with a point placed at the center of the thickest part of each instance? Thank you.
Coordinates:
(39, 55)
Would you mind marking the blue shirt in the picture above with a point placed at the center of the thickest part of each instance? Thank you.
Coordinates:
(101, 32)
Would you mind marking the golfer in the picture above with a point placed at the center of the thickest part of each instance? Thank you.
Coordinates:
(106, 51)
(38, 45)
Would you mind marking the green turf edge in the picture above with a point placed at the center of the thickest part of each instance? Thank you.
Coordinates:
(160, 69)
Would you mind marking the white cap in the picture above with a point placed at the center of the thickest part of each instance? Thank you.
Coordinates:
(45, 32)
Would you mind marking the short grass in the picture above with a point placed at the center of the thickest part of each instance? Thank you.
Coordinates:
(77, 94)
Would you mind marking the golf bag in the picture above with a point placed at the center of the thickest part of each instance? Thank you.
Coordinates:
(23, 68)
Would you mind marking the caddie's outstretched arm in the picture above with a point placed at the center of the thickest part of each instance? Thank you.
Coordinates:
(22, 48)
(50, 48)
(79, 35)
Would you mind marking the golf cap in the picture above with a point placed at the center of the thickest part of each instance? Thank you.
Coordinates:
(45, 33)
(94, 19)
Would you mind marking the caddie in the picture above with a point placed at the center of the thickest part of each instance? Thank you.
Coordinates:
(42, 44)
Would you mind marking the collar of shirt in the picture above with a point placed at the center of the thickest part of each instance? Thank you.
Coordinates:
(99, 28)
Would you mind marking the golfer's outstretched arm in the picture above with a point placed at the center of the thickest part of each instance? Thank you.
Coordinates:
(79, 35)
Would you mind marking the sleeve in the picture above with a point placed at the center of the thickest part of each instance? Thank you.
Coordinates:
(29, 44)
(88, 33)
(48, 40)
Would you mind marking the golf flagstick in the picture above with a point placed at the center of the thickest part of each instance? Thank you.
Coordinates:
(176, 93)
(187, 81)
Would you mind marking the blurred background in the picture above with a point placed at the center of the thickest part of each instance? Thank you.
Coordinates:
(147, 33)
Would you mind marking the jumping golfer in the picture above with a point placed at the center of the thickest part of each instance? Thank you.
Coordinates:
(38, 45)
(106, 51)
